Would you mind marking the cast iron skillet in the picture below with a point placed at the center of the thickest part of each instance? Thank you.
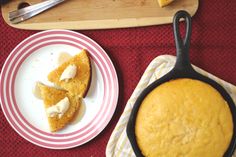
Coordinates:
(182, 69)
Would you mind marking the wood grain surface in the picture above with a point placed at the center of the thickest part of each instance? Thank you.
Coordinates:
(96, 14)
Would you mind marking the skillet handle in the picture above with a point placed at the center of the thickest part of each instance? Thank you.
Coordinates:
(182, 46)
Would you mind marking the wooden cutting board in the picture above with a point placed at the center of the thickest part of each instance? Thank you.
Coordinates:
(99, 14)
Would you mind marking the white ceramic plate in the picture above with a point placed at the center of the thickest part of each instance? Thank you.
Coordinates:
(30, 62)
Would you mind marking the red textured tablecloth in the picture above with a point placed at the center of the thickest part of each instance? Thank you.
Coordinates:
(213, 48)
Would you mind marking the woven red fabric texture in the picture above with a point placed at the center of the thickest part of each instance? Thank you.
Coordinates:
(213, 46)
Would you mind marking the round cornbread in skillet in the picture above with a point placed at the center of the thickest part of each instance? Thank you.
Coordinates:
(184, 117)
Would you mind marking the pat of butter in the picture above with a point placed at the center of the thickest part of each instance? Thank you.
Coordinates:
(59, 109)
(37, 91)
(69, 73)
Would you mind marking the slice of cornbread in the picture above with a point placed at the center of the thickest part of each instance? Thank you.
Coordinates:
(51, 96)
(79, 84)
(163, 3)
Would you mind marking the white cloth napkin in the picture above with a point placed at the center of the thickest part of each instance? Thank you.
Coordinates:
(118, 144)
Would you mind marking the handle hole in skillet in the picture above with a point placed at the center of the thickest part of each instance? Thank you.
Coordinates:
(182, 28)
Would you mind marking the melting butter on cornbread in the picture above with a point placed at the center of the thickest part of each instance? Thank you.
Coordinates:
(60, 106)
(59, 109)
(69, 73)
(74, 74)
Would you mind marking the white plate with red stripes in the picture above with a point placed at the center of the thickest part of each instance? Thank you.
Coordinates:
(30, 62)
